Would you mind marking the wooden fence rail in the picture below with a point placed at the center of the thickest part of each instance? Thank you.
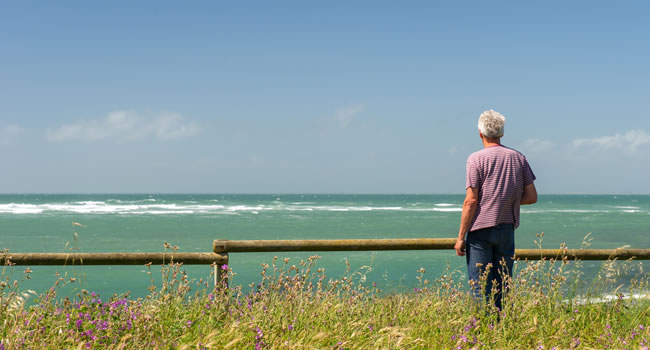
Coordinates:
(112, 258)
(222, 248)
(33, 259)
(227, 246)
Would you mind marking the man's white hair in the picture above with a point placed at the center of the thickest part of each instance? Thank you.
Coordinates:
(491, 124)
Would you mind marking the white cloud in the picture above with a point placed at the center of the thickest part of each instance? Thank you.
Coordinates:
(346, 115)
(537, 146)
(9, 132)
(629, 141)
(124, 126)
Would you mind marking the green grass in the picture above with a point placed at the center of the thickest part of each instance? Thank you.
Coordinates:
(299, 307)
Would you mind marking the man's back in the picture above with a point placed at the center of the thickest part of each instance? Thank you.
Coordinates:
(500, 174)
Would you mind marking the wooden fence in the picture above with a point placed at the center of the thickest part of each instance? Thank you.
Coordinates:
(226, 246)
(222, 248)
(33, 259)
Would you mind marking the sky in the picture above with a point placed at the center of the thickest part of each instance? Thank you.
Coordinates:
(319, 97)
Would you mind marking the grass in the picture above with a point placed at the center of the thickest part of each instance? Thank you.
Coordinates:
(297, 306)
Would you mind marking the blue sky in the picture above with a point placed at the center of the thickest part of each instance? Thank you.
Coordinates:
(319, 97)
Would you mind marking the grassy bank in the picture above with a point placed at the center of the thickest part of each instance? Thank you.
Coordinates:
(296, 306)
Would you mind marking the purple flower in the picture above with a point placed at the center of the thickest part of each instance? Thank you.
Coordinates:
(576, 343)
(79, 323)
(2, 346)
(370, 327)
(224, 267)
(290, 327)
(189, 323)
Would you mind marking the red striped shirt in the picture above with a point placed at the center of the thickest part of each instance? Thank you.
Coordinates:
(500, 174)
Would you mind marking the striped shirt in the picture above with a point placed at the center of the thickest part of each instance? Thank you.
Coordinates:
(500, 174)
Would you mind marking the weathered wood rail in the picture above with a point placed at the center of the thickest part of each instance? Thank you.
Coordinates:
(250, 246)
(221, 249)
(40, 259)
(112, 258)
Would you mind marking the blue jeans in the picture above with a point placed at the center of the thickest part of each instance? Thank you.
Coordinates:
(490, 246)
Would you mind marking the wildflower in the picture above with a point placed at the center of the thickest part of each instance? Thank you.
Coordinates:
(224, 267)
(189, 323)
(290, 327)
(576, 342)
(370, 327)
(79, 323)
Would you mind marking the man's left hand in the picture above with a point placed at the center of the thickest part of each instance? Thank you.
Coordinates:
(460, 247)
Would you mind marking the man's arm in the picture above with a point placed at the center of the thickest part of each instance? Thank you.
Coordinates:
(530, 195)
(469, 209)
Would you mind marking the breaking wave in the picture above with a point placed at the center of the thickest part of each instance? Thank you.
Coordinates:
(206, 207)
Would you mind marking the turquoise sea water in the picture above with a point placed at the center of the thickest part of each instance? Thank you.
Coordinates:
(142, 223)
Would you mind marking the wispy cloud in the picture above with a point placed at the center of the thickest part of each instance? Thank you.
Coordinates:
(629, 141)
(9, 132)
(537, 146)
(346, 115)
(125, 126)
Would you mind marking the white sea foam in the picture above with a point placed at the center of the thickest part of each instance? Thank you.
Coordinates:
(577, 211)
(14, 208)
(138, 207)
(448, 209)
(142, 207)
(438, 209)
(610, 297)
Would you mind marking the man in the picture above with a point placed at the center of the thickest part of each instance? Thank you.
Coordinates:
(498, 181)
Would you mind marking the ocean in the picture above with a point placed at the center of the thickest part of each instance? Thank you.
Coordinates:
(144, 222)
